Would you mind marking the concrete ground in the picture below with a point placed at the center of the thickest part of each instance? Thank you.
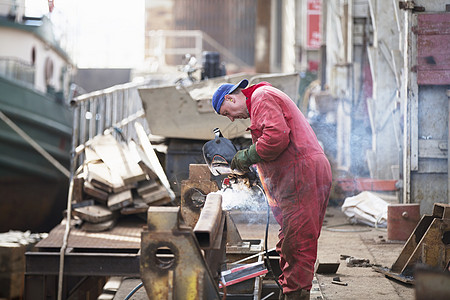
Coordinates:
(357, 241)
(350, 240)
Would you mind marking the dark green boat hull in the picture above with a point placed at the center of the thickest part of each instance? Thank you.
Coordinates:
(31, 188)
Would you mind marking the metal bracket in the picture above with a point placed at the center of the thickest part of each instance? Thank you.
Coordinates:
(428, 244)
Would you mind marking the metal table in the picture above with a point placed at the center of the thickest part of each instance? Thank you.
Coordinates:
(89, 255)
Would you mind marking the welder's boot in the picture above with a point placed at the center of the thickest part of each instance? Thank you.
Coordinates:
(297, 295)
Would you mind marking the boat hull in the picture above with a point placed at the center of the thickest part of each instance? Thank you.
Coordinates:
(33, 192)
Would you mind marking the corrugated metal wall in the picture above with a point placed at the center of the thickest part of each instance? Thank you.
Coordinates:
(231, 23)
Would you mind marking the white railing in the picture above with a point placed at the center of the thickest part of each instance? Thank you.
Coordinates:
(112, 110)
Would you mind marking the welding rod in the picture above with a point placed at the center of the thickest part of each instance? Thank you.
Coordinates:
(251, 256)
(339, 283)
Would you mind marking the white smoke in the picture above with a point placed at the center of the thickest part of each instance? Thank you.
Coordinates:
(241, 197)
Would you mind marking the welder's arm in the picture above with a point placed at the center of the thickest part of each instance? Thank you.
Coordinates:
(243, 159)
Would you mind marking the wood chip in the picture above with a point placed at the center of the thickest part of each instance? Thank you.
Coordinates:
(117, 157)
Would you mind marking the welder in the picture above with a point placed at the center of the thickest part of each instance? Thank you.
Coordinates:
(293, 169)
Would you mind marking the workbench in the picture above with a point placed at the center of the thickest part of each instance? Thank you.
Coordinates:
(90, 258)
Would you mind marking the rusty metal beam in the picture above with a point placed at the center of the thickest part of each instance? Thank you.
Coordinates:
(172, 264)
(83, 264)
(207, 228)
(428, 245)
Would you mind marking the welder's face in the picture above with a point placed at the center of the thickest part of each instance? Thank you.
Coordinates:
(234, 107)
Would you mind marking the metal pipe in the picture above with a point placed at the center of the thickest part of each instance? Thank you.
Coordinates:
(207, 227)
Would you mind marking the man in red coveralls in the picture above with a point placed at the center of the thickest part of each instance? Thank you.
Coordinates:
(294, 171)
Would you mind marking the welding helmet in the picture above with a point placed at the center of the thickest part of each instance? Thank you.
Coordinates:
(218, 154)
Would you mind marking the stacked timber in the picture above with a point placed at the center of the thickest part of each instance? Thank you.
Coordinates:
(115, 180)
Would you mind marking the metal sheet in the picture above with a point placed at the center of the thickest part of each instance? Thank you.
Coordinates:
(402, 219)
(186, 113)
(433, 53)
(125, 235)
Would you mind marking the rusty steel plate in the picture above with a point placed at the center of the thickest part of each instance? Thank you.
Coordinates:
(125, 235)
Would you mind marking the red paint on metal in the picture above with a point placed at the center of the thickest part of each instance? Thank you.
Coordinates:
(433, 53)
(313, 15)
(402, 220)
(366, 184)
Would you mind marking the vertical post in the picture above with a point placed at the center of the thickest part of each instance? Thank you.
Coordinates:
(406, 115)
(288, 37)
(263, 36)
(323, 47)
(448, 148)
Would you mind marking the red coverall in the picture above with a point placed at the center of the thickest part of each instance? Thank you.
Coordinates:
(296, 176)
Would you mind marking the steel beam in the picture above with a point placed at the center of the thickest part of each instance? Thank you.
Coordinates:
(83, 264)
(207, 228)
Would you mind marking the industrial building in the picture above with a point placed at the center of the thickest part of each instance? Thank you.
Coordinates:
(129, 201)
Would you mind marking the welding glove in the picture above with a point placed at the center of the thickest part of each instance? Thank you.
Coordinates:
(243, 159)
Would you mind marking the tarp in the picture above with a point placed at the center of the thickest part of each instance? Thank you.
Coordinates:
(366, 208)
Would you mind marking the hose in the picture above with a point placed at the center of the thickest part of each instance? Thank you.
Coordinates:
(267, 260)
(134, 291)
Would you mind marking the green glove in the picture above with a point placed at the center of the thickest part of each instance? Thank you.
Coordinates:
(243, 159)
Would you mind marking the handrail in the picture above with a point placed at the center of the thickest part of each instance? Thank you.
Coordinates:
(111, 110)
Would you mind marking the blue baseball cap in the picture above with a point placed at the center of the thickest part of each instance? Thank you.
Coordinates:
(223, 90)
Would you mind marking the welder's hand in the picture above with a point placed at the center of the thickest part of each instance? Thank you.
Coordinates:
(243, 159)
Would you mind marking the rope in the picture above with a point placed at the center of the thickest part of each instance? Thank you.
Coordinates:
(35, 145)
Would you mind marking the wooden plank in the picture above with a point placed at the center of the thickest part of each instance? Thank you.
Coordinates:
(78, 183)
(120, 200)
(139, 156)
(101, 176)
(161, 202)
(146, 187)
(94, 213)
(152, 158)
(117, 158)
(97, 173)
(97, 193)
(138, 206)
(156, 195)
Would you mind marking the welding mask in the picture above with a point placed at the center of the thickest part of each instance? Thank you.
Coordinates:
(218, 154)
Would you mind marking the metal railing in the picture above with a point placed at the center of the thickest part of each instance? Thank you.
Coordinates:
(113, 110)
(16, 69)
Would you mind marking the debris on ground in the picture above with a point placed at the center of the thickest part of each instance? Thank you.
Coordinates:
(327, 268)
(358, 262)
(337, 280)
